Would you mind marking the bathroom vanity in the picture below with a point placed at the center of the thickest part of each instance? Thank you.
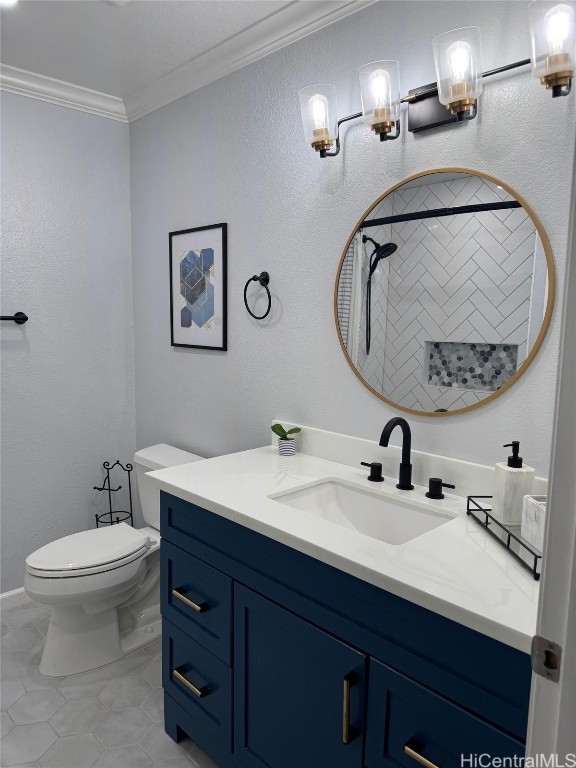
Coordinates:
(291, 640)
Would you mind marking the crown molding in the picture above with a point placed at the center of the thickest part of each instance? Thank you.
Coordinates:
(290, 23)
(281, 28)
(24, 83)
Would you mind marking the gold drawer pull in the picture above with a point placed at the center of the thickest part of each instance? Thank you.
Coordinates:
(348, 732)
(411, 752)
(199, 608)
(200, 692)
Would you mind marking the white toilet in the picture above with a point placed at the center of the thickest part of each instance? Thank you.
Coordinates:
(103, 584)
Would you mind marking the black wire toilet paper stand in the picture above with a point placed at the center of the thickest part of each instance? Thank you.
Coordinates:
(113, 517)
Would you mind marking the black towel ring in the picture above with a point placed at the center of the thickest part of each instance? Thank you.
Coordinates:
(263, 278)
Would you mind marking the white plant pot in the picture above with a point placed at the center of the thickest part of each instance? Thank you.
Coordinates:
(286, 447)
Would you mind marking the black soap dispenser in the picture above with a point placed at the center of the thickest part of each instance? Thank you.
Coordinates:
(512, 481)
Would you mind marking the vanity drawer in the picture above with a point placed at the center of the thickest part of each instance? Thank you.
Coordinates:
(407, 722)
(197, 599)
(198, 682)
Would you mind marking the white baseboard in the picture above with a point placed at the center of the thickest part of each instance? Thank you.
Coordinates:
(13, 599)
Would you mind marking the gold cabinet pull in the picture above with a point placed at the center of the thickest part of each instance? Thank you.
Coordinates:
(347, 730)
(411, 752)
(200, 692)
(198, 607)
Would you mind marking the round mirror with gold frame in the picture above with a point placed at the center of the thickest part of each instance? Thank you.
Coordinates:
(444, 292)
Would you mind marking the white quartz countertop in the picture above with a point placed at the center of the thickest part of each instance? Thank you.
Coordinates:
(456, 570)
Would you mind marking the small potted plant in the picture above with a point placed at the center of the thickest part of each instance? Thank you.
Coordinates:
(286, 443)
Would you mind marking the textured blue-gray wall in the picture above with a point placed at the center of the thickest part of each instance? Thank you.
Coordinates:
(67, 375)
(234, 152)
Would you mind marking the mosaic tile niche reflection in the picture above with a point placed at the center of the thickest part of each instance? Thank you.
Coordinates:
(470, 366)
(197, 289)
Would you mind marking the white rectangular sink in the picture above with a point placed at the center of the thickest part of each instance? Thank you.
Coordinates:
(388, 518)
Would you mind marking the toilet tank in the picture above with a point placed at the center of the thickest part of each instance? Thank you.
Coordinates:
(148, 459)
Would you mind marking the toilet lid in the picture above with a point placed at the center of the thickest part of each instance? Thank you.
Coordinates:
(89, 548)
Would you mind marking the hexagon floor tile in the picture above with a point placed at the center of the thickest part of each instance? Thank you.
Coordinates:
(154, 650)
(19, 640)
(200, 759)
(85, 685)
(26, 743)
(133, 664)
(128, 691)
(7, 724)
(124, 728)
(180, 762)
(31, 765)
(154, 705)
(30, 617)
(36, 707)
(73, 752)
(153, 673)
(12, 665)
(33, 680)
(127, 757)
(107, 718)
(75, 717)
(10, 692)
(159, 746)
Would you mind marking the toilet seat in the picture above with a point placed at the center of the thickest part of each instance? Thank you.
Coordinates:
(87, 552)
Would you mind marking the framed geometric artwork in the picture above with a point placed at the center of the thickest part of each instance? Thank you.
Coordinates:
(198, 311)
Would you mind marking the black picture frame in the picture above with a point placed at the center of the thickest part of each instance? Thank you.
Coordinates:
(208, 277)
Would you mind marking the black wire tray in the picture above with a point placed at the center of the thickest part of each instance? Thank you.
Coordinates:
(504, 536)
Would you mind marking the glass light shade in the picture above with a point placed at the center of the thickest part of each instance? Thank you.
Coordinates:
(553, 33)
(380, 92)
(458, 59)
(319, 109)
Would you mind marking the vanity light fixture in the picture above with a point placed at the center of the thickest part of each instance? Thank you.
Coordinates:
(553, 33)
(380, 94)
(454, 97)
(319, 108)
(458, 60)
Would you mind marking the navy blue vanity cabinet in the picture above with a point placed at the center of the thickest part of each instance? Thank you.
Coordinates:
(272, 659)
(408, 723)
(298, 692)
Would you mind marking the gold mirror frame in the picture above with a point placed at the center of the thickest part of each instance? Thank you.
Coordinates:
(549, 304)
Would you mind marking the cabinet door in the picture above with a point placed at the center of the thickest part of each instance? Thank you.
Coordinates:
(298, 692)
(410, 725)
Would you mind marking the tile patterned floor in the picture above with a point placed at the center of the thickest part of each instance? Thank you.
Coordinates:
(108, 718)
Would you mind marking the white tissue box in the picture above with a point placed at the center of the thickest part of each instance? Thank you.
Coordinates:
(533, 520)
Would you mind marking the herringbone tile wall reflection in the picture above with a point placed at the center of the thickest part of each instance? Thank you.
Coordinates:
(462, 278)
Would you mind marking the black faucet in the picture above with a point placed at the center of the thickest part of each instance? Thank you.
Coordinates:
(405, 478)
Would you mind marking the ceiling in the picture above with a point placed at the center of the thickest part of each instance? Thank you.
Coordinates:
(120, 49)
(148, 52)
